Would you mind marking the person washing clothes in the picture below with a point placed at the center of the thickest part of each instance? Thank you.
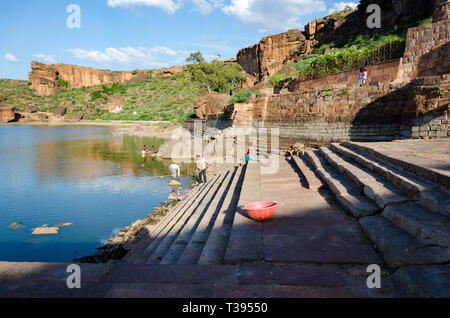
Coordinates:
(174, 170)
(201, 168)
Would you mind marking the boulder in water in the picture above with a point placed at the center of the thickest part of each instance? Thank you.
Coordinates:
(175, 183)
(45, 230)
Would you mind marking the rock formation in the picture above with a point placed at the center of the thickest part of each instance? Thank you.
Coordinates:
(211, 104)
(7, 113)
(272, 52)
(44, 77)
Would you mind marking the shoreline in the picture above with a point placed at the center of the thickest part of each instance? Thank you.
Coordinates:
(150, 129)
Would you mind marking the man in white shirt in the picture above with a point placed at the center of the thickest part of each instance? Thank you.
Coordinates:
(175, 169)
(201, 168)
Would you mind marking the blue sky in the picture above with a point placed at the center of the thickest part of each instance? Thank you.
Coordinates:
(146, 34)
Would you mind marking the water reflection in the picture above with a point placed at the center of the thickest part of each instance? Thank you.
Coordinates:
(52, 175)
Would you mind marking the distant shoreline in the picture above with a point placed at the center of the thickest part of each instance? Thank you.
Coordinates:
(151, 129)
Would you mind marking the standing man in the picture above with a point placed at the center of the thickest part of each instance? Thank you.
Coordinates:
(174, 169)
(201, 168)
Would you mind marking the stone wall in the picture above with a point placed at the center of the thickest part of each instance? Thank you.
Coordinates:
(384, 72)
(427, 51)
(378, 111)
(43, 77)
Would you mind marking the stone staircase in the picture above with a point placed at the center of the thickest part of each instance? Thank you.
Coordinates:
(402, 209)
(195, 231)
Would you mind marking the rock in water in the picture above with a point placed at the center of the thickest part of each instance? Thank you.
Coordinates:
(45, 230)
(175, 183)
(66, 224)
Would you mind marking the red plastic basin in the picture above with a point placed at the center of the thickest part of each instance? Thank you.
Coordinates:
(261, 211)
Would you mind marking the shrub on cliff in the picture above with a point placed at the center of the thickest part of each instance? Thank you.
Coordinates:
(241, 97)
(217, 76)
(275, 78)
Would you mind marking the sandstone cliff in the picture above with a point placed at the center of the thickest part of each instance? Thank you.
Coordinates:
(44, 78)
(272, 52)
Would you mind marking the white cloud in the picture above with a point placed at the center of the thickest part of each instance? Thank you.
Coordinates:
(45, 58)
(168, 6)
(11, 58)
(272, 15)
(206, 6)
(339, 6)
(159, 56)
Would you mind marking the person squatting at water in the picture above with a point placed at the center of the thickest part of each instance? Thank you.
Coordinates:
(201, 168)
(174, 170)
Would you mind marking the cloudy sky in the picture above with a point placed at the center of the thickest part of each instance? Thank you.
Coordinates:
(130, 34)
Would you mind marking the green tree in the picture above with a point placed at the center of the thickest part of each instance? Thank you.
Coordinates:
(217, 76)
(195, 58)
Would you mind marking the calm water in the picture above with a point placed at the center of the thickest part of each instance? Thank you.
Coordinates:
(52, 175)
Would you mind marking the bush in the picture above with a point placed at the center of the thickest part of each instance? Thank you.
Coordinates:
(217, 76)
(62, 82)
(275, 78)
(241, 97)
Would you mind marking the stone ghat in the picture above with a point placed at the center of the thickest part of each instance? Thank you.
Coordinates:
(373, 112)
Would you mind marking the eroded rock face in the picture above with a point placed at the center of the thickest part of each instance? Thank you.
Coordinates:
(211, 104)
(44, 77)
(272, 52)
(7, 113)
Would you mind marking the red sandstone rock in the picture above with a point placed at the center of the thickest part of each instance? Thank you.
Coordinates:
(7, 113)
(272, 52)
(44, 77)
(211, 104)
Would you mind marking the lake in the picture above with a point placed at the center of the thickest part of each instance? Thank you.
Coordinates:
(82, 175)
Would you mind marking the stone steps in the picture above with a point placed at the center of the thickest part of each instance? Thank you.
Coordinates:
(216, 244)
(197, 228)
(398, 247)
(369, 183)
(428, 227)
(407, 182)
(314, 183)
(429, 193)
(186, 241)
(171, 220)
(346, 192)
(412, 228)
(177, 226)
(151, 231)
(418, 170)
